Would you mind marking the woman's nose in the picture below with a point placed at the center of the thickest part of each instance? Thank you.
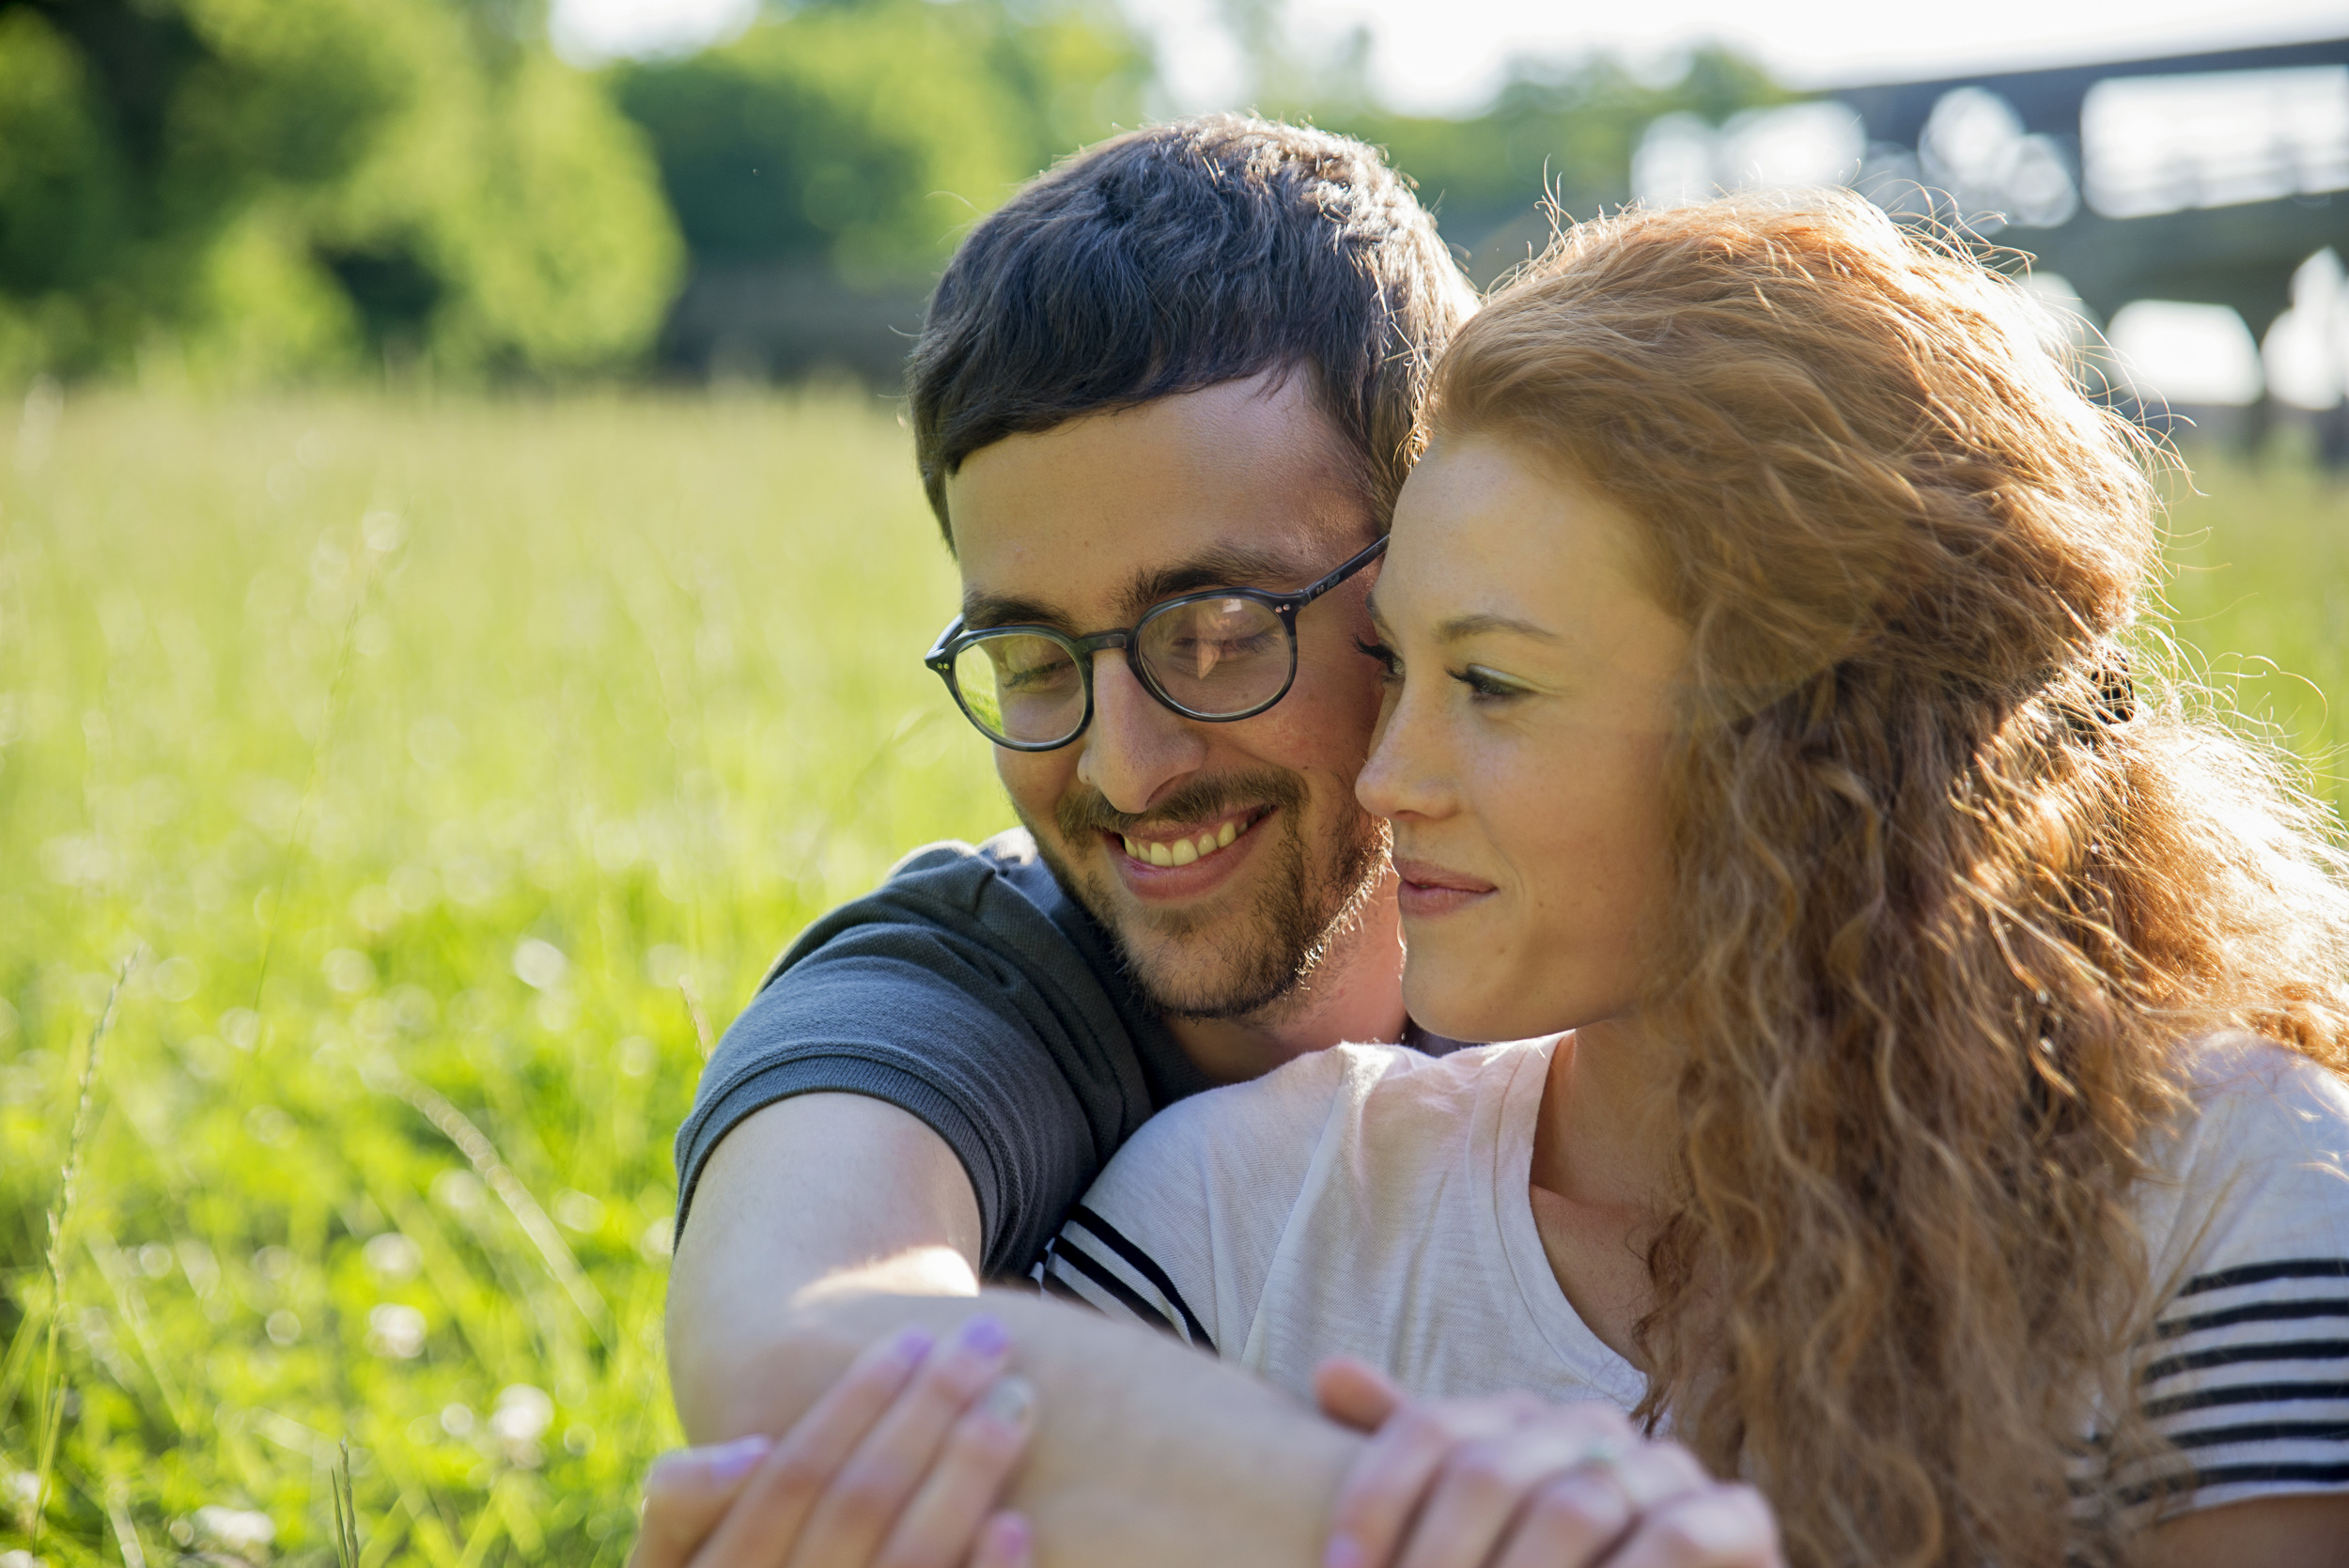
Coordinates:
(1402, 775)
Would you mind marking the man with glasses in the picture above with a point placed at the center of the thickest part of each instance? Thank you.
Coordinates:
(1161, 406)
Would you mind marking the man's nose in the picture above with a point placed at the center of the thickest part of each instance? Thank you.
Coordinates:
(1136, 745)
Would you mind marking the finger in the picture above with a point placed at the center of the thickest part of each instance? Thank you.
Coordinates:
(687, 1493)
(776, 1499)
(1570, 1522)
(1589, 1512)
(1717, 1527)
(1006, 1543)
(1355, 1393)
(1483, 1486)
(1383, 1491)
(871, 1489)
(946, 1517)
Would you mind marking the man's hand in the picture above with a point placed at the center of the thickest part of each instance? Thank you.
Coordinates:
(900, 1465)
(1515, 1482)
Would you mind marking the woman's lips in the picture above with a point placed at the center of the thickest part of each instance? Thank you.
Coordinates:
(1426, 889)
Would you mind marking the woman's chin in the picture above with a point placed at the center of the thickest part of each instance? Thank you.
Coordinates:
(1454, 1012)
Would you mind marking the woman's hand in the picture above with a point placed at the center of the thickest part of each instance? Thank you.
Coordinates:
(900, 1465)
(1515, 1482)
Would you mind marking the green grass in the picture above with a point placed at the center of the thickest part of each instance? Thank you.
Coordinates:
(417, 753)
(411, 754)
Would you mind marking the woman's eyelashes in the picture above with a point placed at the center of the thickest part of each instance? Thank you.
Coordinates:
(1487, 685)
(1484, 685)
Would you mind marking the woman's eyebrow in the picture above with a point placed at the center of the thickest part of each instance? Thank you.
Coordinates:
(1461, 627)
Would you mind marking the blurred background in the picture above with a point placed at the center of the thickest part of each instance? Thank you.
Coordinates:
(462, 583)
(244, 195)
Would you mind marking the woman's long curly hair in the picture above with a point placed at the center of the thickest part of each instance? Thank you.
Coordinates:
(1954, 890)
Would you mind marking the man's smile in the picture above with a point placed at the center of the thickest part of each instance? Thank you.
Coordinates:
(1184, 844)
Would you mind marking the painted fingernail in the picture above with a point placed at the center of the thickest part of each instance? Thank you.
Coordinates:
(912, 1345)
(730, 1461)
(983, 1335)
(1344, 1551)
(1012, 1539)
(1011, 1401)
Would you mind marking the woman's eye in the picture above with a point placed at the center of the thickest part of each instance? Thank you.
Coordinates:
(1487, 685)
(1388, 662)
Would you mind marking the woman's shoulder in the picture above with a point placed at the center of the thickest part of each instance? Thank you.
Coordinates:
(2251, 1098)
(1379, 1080)
(2247, 1230)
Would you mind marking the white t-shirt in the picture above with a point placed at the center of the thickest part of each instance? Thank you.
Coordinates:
(1374, 1201)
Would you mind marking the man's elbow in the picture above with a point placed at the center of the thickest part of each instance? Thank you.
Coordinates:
(762, 1386)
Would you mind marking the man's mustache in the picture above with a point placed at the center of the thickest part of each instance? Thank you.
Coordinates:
(1085, 810)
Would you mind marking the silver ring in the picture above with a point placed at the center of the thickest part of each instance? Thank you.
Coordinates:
(1602, 1453)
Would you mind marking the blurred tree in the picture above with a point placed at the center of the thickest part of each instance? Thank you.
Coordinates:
(1567, 128)
(272, 187)
(863, 135)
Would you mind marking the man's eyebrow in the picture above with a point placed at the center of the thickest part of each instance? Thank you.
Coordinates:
(1222, 566)
(981, 611)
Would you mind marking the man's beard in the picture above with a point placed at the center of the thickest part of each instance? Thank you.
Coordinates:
(1217, 962)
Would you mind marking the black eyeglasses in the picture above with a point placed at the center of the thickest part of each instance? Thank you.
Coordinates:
(1218, 655)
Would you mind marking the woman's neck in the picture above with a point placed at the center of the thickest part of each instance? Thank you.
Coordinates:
(1606, 1119)
(1599, 1172)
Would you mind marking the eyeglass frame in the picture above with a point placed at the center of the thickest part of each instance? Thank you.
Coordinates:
(1082, 650)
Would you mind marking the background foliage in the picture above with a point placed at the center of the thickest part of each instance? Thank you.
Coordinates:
(252, 191)
(255, 189)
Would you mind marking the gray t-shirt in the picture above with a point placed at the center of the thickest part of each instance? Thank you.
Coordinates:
(969, 989)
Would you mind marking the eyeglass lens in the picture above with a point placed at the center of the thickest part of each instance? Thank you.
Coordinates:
(1215, 658)
(1021, 688)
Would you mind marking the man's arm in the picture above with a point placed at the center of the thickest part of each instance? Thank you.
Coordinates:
(826, 1222)
(1144, 1453)
(811, 1195)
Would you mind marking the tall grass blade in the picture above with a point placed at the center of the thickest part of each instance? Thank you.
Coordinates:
(52, 1418)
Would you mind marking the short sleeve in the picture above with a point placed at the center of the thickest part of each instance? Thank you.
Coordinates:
(2246, 1371)
(954, 994)
(1181, 1229)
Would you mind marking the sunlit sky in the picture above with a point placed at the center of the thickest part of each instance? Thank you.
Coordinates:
(1447, 55)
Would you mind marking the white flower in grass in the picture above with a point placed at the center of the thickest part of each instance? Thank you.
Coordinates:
(392, 1256)
(247, 1532)
(540, 964)
(397, 1331)
(522, 1413)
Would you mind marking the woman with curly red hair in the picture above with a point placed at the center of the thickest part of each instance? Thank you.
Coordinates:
(1936, 1119)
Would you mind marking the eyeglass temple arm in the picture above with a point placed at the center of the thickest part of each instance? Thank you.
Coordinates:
(1360, 558)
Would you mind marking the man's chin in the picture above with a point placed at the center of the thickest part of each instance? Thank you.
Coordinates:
(1244, 949)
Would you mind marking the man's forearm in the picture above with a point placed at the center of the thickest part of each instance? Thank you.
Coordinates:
(824, 1222)
(1146, 1452)
(809, 1195)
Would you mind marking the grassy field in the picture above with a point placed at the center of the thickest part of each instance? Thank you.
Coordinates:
(419, 764)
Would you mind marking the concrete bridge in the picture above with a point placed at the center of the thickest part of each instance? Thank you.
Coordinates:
(2238, 190)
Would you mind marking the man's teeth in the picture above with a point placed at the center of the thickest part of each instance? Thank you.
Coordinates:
(1184, 851)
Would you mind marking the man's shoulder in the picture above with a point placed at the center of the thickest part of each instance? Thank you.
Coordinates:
(999, 894)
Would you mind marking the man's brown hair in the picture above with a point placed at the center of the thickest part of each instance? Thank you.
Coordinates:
(1178, 258)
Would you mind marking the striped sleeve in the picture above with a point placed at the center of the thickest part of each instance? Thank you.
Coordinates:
(1180, 1230)
(2246, 1374)
(1092, 1262)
